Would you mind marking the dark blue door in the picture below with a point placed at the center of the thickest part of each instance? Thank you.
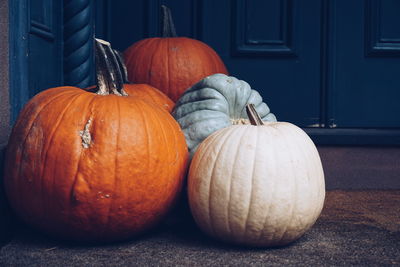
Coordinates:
(330, 66)
(35, 48)
(275, 46)
(51, 44)
(365, 64)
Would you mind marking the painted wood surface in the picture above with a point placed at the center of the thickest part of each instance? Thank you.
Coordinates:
(330, 66)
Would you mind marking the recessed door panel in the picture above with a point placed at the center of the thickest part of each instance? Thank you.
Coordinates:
(365, 89)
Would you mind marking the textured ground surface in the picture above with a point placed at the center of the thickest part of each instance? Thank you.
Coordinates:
(355, 228)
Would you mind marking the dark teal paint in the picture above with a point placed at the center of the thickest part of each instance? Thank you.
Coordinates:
(329, 66)
(78, 41)
(35, 50)
(271, 38)
(365, 89)
(51, 44)
(19, 88)
(298, 56)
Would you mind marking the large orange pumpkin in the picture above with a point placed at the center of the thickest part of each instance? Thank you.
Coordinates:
(171, 64)
(93, 166)
(148, 93)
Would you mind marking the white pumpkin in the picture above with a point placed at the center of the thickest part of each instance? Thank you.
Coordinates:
(256, 185)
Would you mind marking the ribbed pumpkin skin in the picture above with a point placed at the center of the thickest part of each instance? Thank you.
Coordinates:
(213, 103)
(120, 185)
(256, 185)
(149, 93)
(171, 64)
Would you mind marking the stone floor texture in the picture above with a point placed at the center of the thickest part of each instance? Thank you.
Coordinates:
(356, 228)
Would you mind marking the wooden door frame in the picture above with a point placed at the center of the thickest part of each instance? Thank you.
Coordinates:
(77, 48)
(18, 55)
(327, 133)
(79, 27)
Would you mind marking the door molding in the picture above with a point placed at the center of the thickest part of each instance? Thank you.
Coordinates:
(18, 61)
(354, 136)
(73, 39)
(272, 44)
(376, 43)
(78, 34)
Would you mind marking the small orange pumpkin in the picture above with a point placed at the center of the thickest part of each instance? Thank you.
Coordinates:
(150, 94)
(172, 64)
(142, 90)
(94, 166)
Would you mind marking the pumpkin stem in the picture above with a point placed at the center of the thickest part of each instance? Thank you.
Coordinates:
(253, 115)
(108, 72)
(167, 23)
(101, 75)
(122, 66)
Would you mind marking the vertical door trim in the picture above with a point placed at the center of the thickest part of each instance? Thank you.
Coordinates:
(324, 61)
(18, 57)
(78, 42)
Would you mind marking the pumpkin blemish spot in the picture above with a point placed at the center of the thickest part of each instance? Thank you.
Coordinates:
(85, 135)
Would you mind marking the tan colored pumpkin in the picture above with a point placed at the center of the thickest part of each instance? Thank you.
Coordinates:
(256, 185)
(94, 166)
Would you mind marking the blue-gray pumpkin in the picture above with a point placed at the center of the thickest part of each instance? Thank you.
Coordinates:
(213, 103)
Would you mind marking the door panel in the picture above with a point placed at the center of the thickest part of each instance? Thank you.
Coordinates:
(125, 22)
(35, 49)
(280, 57)
(319, 64)
(263, 28)
(273, 45)
(365, 92)
(45, 58)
